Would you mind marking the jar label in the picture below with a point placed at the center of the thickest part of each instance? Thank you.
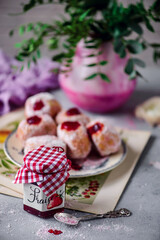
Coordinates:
(34, 197)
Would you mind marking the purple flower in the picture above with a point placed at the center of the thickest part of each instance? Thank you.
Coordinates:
(16, 86)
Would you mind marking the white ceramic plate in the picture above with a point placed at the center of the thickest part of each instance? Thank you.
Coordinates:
(91, 166)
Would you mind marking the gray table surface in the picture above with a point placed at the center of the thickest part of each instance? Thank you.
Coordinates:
(141, 195)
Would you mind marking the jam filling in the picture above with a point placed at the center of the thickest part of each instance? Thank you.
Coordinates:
(38, 105)
(34, 120)
(73, 111)
(70, 126)
(95, 128)
(76, 167)
(45, 214)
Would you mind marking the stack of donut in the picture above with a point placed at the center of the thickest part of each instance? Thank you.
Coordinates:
(69, 130)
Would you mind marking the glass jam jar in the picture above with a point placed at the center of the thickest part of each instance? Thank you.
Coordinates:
(37, 203)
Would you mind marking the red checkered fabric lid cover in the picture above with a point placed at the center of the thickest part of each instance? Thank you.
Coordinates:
(45, 166)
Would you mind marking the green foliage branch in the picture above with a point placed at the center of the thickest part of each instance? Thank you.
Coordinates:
(95, 21)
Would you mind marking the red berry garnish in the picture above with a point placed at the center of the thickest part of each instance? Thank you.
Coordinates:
(92, 193)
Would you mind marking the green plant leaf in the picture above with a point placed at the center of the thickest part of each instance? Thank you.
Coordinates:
(139, 62)
(55, 70)
(10, 161)
(21, 68)
(91, 55)
(103, 63)
(8, 172)
(92, 65)
(34, 59)
(19, 58)
(155, 45)
(11, 33)
(134, 46)
(72, 190)
(156, 56)
(82, 17)
(38, 53)
(58, 57)
(122, 52)
(66, 45)
(91, 76)
(129, 67)
(117, 44)
(69, 60)
(132, 75)
(137, 28)
(104, 77)
(22, 30)
(6, 165)
(148, 25)
(140, 75)
(29, 64)
(29, 27)
(18, 45)
(89, 41)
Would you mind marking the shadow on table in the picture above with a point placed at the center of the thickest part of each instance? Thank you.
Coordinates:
(141, 160)
(138, 97)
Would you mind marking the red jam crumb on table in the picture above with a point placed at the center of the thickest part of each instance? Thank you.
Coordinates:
(38, 105)
(34, 120)
(55, 232)
(70, 126)
(73, 111)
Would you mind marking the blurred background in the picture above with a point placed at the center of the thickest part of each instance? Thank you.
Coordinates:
(47, 14)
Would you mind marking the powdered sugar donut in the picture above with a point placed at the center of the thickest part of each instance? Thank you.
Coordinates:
(74, 134)
(42, 103)
(72, 114)
(36, 126)
(104, 137)
(46, 140)
(149, 110)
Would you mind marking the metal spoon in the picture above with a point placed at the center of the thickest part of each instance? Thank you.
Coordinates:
(72, 220)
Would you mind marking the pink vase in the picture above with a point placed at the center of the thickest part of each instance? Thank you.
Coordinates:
(96, 95)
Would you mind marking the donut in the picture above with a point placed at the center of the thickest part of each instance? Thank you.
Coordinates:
(104, 137)
(149, 111)
(74, 134)
(46, 140)
(42, 103)
(36, 126)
